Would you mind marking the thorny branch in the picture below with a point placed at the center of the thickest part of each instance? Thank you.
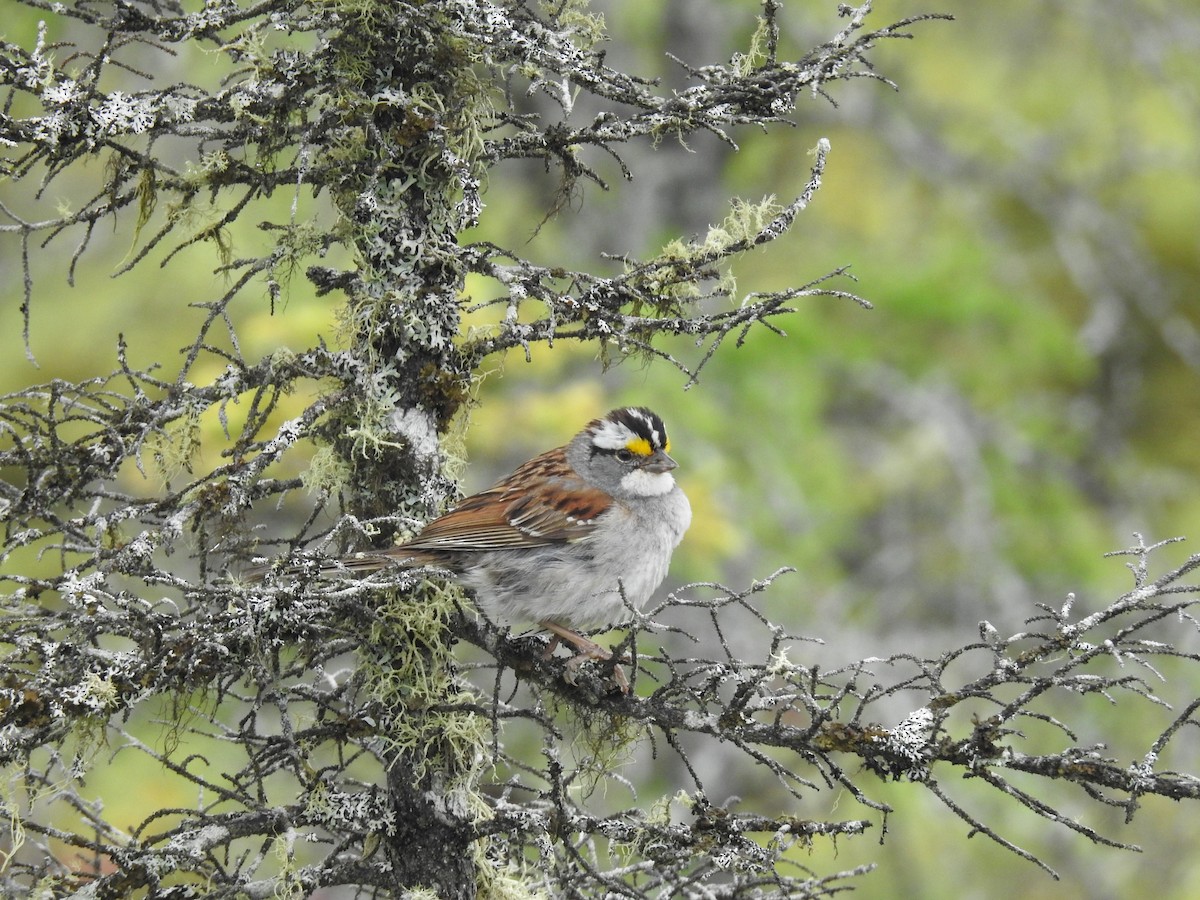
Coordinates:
(275, 110)
(757, 707)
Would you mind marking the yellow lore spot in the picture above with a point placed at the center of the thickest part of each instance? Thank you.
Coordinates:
(640, 446)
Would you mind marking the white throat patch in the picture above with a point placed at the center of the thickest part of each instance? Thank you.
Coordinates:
(641, 483)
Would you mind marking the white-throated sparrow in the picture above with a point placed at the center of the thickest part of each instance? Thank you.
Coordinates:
(572, 540)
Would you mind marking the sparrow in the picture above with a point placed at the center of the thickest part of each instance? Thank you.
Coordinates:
(574, 540)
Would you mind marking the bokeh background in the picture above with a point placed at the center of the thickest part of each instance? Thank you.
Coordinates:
(1024, 213)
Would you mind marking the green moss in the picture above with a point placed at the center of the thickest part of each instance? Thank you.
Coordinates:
(326, 472)
(672, 278)
(505, 882)
(744, 64)
(176, 447)
(602, 743)
(587, 28)
(411, 675)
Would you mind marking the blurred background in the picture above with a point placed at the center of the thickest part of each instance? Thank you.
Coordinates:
(1024, 213)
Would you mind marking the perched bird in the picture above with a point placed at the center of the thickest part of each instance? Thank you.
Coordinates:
(571, 540)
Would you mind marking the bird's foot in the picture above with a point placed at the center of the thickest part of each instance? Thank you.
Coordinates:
(585, 650)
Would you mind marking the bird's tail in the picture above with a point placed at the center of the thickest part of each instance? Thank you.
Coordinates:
(354, 564)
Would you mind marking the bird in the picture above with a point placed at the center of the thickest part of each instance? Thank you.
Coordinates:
(572, 541)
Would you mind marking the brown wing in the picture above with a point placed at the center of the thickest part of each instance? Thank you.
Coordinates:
(542, 503)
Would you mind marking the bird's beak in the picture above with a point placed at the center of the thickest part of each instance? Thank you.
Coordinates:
(659, 462)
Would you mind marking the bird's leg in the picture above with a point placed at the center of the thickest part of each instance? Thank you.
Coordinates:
(587, 649)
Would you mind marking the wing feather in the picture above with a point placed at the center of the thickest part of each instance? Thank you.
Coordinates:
(541, 504)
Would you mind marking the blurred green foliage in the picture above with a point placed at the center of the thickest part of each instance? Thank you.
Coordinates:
(1024, 395)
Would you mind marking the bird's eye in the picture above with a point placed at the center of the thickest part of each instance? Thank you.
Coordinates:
(624, 455)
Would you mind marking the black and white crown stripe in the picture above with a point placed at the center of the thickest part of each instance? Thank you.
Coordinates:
(623, 426)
